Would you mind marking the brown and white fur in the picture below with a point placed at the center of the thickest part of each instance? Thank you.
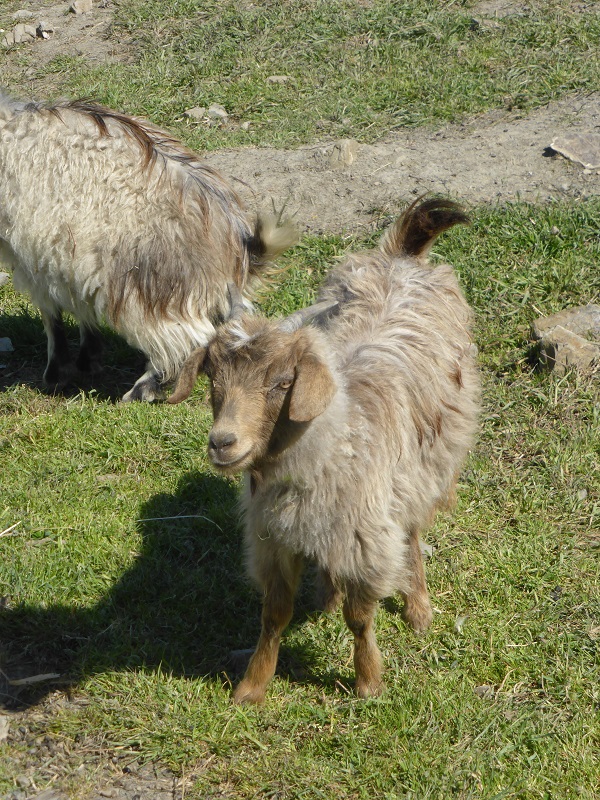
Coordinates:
(113, 220)
(351, 433)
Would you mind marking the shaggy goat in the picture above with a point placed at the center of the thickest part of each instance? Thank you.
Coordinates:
(351, 432)
(111, 219)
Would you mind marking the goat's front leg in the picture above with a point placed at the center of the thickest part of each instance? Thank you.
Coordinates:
(58, 348)
(90, 349)
(278, 606)
(147, 388)
(359, 614)
(417, 608)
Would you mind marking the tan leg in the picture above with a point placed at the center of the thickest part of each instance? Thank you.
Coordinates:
(359, 615)
(328, 595)
(278, 606)
(417, 609)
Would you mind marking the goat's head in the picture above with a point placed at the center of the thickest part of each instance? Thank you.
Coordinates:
(267, 384)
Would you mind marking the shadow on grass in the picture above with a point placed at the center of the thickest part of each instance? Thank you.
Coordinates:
(122, 365)
(184, 605)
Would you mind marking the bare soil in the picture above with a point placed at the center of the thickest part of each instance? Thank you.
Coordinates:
(497, 157)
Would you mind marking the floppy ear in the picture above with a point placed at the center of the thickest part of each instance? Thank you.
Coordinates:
(186, 379)
(312, 391)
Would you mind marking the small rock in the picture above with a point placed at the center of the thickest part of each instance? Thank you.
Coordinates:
(44, 29)
(344, 153)
(8, 39)
(279, 78)
(582, 320)
(426, 549)
(582, 494)
(81, 6)
(6, 346)
(4, 278)
(198, 114)
(562, 349)
(23, 33)
(22, 15)
(245, 126)
(216, 111)
(4, 727)
(485, 690)
(583, 148)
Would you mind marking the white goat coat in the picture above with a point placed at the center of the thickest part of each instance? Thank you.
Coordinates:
(82, 208)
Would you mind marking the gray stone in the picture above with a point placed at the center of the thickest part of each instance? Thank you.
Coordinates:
(4, 278)
(197, 114)
(561, 349)
(278, 78)
(44, 29)
(4, 727)
(583, 148)
(22, 15)
(344, 153)
(582, 320)
(6, 346)
(216, 111)
(81, 6)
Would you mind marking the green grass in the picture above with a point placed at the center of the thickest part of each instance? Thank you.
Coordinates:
(125, 572)
(354, 69)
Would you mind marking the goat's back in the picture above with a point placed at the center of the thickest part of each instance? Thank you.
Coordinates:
(110, 218)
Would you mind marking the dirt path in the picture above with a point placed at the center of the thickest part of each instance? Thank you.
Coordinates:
(497, 157)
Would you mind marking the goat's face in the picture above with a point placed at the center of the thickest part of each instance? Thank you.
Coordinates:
(266, 386)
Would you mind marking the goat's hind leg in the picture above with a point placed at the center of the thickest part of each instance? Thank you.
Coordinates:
(359, 613)
(278, 605)
(417, 608)
(59, 358)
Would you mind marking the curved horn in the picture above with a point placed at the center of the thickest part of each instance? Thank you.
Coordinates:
(299, 318)
(236, 300)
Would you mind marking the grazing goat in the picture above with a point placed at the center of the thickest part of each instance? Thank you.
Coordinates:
(351, 432)
(111, 219)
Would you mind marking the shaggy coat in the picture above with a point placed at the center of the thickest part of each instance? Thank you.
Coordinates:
(351, 432)
(113, 220)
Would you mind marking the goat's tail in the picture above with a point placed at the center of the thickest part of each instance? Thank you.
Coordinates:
(416, 230)
(271, 237)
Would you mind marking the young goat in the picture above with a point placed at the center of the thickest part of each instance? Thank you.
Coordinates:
(111, 219)
(351, 432)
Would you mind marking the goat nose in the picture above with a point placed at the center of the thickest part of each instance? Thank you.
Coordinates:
(220, 441)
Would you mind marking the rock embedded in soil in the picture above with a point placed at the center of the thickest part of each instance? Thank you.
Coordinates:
(569, 339)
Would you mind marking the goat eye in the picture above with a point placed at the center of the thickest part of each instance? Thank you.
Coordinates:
(284, 384)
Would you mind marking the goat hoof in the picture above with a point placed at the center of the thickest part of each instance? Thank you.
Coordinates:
(145, 393)
(417, 615)
(369, 688)
(247, 693)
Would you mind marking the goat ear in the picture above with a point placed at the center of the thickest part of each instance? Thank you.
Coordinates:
(312, 391)
(187, 377)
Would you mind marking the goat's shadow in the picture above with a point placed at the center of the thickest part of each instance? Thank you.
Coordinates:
(184, 605)
(122, 365)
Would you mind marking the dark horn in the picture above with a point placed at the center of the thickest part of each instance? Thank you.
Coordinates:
(299, 318)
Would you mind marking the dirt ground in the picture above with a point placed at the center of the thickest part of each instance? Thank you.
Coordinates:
(497, 157)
